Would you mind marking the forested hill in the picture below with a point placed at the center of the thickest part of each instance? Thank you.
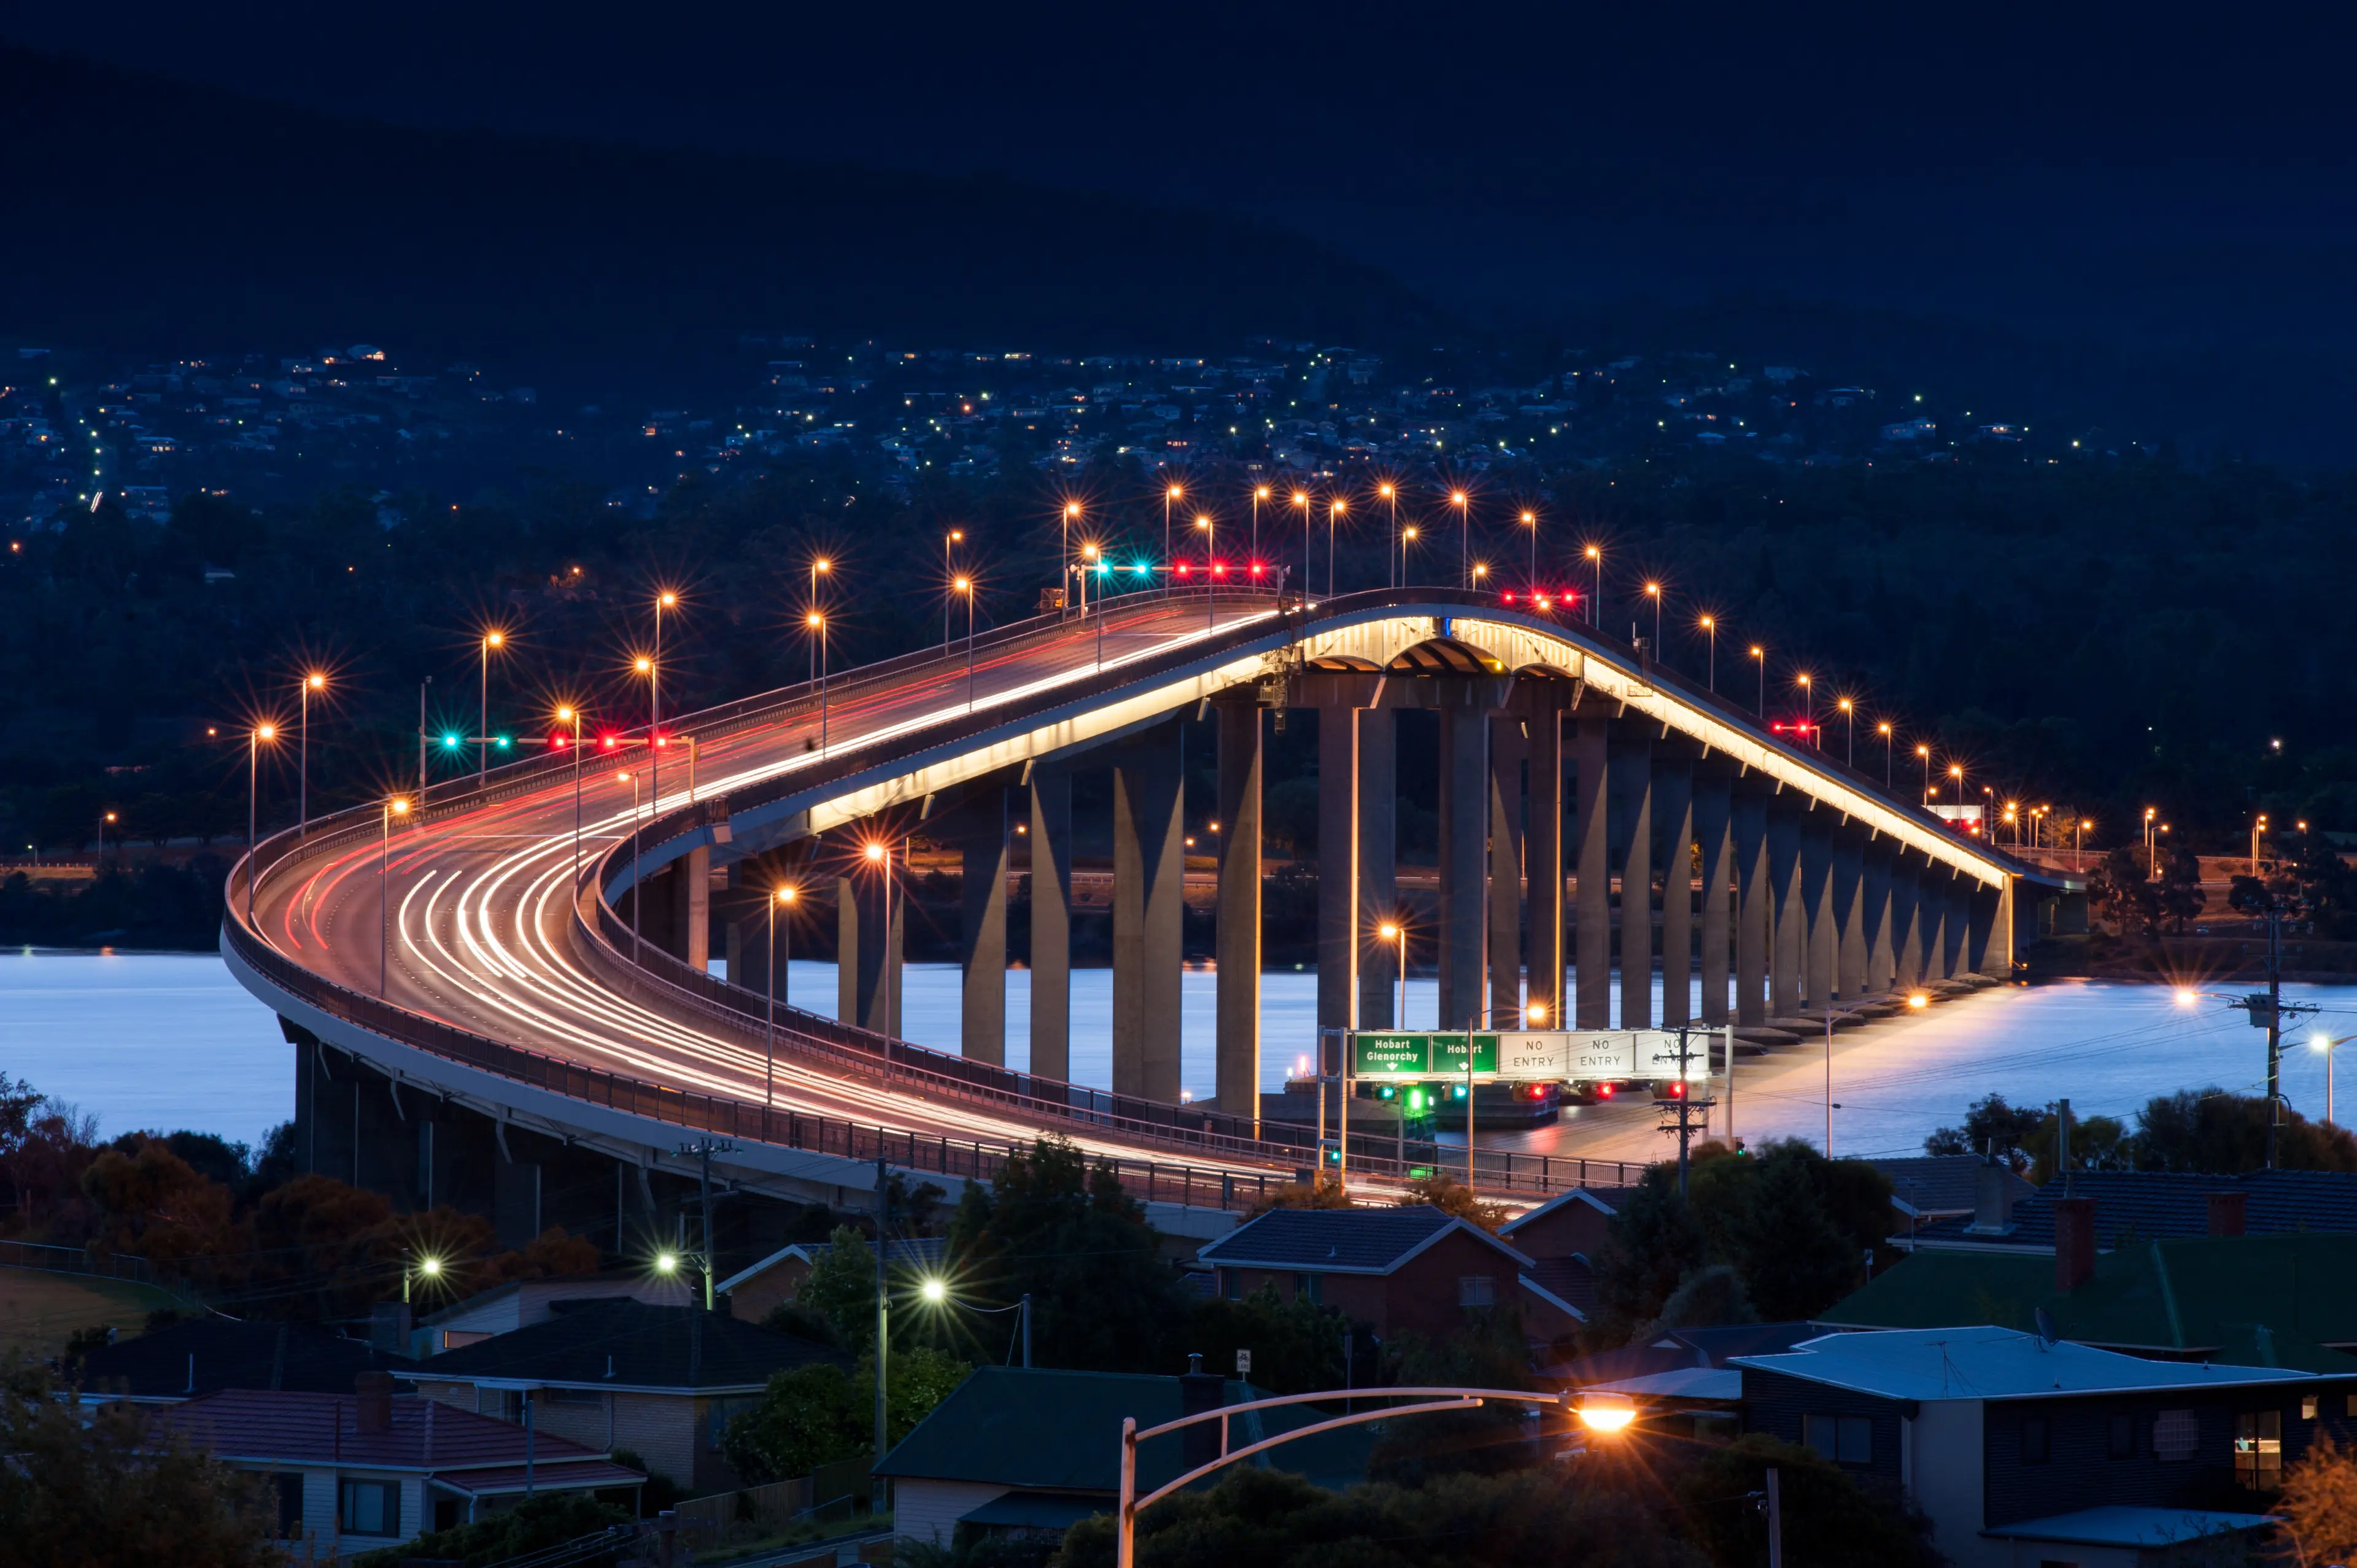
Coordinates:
(146, 212)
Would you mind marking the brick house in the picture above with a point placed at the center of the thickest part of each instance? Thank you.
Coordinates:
(754, 1292)
(662, 1383)
(1406, 1269)
(521, 1304)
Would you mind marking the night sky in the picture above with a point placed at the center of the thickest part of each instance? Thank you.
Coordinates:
(2160, 174)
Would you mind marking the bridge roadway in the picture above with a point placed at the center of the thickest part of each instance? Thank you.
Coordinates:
(472, 954)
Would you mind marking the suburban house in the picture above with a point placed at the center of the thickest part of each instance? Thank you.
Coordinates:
(1022, 1452)
(663, 1383)
(1927, 1188)
(521, 1304)
(1411, 1269)
(754, 1293)
(2026, 1451)
(2283, 1300)
(1562, 1237)
(360, 1471)
(1685, 1374)
(202, 1355)
(2151, 1205)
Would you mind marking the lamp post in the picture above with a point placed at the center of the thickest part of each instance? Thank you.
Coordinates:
(1169, 494)
(663, 601)
(254, 742)
(1808, 707)
(1531, 521)
(1396, 933)
(1957, 772)
(2259, 826)
(493, 642)
(572, 715)
(2325, 1043)
(1653, 592)
(2078, 845)
(427, 1267)
(1064, 550)
(785, 895)
(105, 820)
(313, 681)
(1407, 537)
(817, 624)
(638, 894)
(1710, 631)
(1596, 604)
(1884, 729)
(395, 807)
(1463, 505)
(1849, 730)
(965, 586)
(1759, 657)
(1301, 499)
(949, 571)
(1924, 754)
(1335, 507)
(1211, 609)
(1394, 562)
(1260, 494)
(819, 566)
(2151, 869)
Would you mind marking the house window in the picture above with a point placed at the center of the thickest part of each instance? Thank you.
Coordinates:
(1309, 1287)
(2036, 1448)
(2307, 1407)
(2174, 1435)
(1235, 1286)
(2258, 1450)
(369, 1508)
(2123, 1442)
(1844, 1439)
(1477, 1290)
(287, 1486)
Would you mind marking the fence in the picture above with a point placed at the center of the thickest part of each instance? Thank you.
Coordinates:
(74, 1260)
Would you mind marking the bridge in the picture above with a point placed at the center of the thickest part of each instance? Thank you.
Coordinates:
(502, 998)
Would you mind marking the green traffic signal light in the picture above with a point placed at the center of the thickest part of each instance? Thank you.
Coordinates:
(1415, 1099)
(450, 742)
(502, 742)
(1386, 1092)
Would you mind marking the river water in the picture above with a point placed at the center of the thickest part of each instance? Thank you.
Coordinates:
(168, 1040)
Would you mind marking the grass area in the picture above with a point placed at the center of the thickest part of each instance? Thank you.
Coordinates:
(747, 1540)
(38, 1310)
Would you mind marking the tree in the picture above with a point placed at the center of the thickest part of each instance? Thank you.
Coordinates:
(1795, 1261)
(1488, 1352)
(152, 1205)
(1830, 1521)
(1452, 1196)
(1652, 1242)
(819, 1414)
(1531, 1519)
(1991, 1126)
(2117, 890)
(1296, 1346)
(2212, 1131)
(1050, 1226)
(840, 1291)
(2181, 898)
(2318, 1504)
(99, 1485)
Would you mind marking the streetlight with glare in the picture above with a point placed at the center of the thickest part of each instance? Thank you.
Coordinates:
(1531, 521)
(261, 733)
(1064, 545)
(493, 642)
(2324, 1043)
(567, 713)
(1709, 625)
(395, 807)
(663, 601)
(1394, 558)
(1808, 707)
(1595, 605)
(820, 566)
(784, 898)
(949, 542)
(1463, 505)
(1849, 730)
(965, 586)
(428, 1267)
(313, 681)
(1957, 772)
(1335, 507)
(1884, 730)
(1260, 493)
(1924, 753)
(1170, 495)
(1653, 592)
(1759, 657)
(1301, 500)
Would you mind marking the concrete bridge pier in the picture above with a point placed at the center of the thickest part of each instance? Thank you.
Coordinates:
(1239, 924)
(1849, 913)
(1906, 922)
(1339, 937)
(1788, 951)
(1629, 775)
(1873, 905)
(1674, 821)
(1148, 870)
(1755, 918)
(1990, 950)
(1543, 846)
(870, 922)
(1955, 930)
(1377, 874)
(1464, 846)
(1509, 749)
(981, 831)
(1052, 922)
(1817, 908)
(1592, 927)
(1713, 829)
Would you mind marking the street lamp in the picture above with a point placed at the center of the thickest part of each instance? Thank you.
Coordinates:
(817, 624)
(428, 1268)
(1808, 707)
(1064, 545)
(254, 743)
(1531, 521)
(1260, 494)
(395, 807)
(2078, 845)
(965, 586)
(1709, 625)
(2320, 1042)
(663, 601)
(105, 821)
(1957, 772)
(1335, 507)
(1395, 932)
(1463, 505)
(1924, 752)
(1301, 499)
(1849, 731)
(949, 569)
(493, 642)
(1596, 604)
(819, 566)
(638, 893)
(1210, 607)
(1759, 657)
(1653, 592)
(1394, 559)
(1884, 728)
(313, 681)
(567, 713)
(879, 855)
(1168, 496)
(785, 897)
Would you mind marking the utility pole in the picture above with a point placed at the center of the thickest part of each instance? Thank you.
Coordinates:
(2268, 1013)
(1680, 1108)
(883, 1305)
(704, 1149)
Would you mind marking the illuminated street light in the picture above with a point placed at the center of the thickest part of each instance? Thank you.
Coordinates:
(263, 734)
(1595, 605)
(784, 898)
(1759, 657)
(395, 807)
(493, 642)
(1606, 1414)
(1653, 592)
(313, 681)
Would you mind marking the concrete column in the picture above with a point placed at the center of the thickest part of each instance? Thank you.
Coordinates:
(1817, 906)
(1631, 770)
(695, 909)
(1378, 867)
(982, 857)
(1712, 833)
(1542, 850)
(1849, 927)
(1674, 822)
(1932, 920)
(869, 919)
(1148, 871)
(1052, 922)
(1464, 821)
(1992, 925)
(1788, 950)
(1755, 916)
(1237, 933)
(1873, 906)
(1906, 922)
(1592, 928)
(1508, 748)
(1338, 936)
(1955, 927)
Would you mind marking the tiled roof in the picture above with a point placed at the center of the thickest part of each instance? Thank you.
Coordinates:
(1607, 1198)
(1989, 1363)
(599, 1473)
(1341, 1241)
(1941, 1183)
(203, 1354)
(905, 1253)
(2146, 1204)
(323, 1429)
(1569, 1280)
(2262, 1300)
(568, 1288)
(627, 1344)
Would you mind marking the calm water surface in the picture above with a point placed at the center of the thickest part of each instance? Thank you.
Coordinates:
(168, 1040)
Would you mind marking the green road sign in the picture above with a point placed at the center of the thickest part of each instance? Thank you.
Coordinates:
(1420, 1055)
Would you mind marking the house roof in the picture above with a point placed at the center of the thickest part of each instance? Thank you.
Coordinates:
(2130, 1527)
(510, 1478)
(1358, 1241)
(1941, 1183)
(1061, 1432)
(1605, 1200)
(203, 1354)
(2141, 1205)
(2274, 1301)
(287, 1427)
(1722, 1384)
(1989, 1364)
(906, 1252)
(627, 1345)
(563, 1288)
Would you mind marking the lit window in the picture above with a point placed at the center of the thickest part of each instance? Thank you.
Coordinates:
(2258, 1450)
